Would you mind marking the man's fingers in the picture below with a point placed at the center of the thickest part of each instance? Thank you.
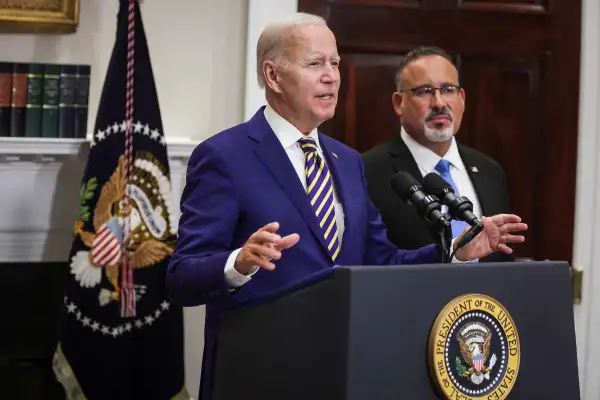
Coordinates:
(265, 251)
(261, 237)
(287, 241)
(252, 258)
(270, 227)
(512, 239)
(265, 245)
(514, 227)
(506, 218)
(262, 263)
(504, 248)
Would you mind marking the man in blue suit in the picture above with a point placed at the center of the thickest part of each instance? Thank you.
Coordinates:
(271, 201)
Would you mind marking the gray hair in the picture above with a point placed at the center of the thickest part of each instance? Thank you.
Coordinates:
(416, 54)
(270, 46)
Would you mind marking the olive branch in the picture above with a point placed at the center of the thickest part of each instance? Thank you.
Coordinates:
(86, 193)
(460, 368)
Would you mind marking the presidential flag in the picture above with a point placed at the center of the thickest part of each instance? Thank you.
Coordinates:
(121, 338)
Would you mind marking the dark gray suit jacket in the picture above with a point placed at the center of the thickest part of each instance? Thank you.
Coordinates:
(406, 229)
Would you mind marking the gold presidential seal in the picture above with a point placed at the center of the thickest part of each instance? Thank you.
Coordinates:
(474, 349)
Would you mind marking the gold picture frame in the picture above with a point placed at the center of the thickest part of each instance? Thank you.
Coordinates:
(39, 16)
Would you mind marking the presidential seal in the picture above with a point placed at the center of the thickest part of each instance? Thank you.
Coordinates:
(474, 349)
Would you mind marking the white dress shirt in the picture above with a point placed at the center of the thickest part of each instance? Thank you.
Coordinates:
(288, 136)
(427, 160)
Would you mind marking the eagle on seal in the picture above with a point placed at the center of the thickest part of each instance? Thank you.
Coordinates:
(475, 356)
(105, 243)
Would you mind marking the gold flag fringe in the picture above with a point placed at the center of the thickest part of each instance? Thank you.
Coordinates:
(64, 374)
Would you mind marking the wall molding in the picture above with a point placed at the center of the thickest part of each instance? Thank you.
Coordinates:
(14, 148)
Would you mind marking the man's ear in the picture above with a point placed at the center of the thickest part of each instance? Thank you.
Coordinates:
(271, 75)
(397, 99)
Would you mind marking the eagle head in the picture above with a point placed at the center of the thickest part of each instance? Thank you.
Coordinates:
(474, 349)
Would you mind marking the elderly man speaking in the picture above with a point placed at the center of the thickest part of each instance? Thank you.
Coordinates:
(272, 200)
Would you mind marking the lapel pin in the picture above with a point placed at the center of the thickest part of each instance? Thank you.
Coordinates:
(335, 155)
(474, 169)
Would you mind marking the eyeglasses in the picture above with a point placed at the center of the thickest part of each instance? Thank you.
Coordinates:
(428, 92)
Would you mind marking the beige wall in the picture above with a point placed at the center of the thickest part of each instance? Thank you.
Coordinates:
(197, 50)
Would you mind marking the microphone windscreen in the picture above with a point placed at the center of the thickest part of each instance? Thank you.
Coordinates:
(404, 184)
(436, 185)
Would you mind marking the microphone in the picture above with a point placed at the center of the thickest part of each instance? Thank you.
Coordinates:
(409, 189)
(460, 208)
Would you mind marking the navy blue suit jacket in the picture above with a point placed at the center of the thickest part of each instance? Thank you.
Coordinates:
(242, 179)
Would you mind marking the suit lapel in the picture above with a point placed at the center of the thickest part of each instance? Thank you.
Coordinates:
(273, 156)
(481, 181)
(402, 159)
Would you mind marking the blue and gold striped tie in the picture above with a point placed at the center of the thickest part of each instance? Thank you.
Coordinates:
(319, 187)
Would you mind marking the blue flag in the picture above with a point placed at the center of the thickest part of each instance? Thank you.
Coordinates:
(121, 338)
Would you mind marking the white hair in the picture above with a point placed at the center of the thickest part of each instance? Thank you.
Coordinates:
(270, 46)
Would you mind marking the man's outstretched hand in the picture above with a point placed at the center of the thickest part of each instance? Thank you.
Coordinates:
(262, 247)
(497, 232)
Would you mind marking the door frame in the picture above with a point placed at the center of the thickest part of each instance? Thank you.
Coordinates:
(586, 241)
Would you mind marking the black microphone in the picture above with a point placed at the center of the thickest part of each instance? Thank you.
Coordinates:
(460, 208)
(409, 189)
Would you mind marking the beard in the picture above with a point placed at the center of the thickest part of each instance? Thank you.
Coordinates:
(439, 135)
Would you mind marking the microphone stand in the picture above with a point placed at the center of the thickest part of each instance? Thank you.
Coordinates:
(445, 240)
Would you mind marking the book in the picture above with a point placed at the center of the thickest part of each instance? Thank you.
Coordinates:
(66, 102)
(18, 100)
(50, 97)
(82, 93)
(33, 108)
(6, 70)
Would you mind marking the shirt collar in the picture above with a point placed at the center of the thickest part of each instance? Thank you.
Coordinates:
(287, 133)
(427, 159)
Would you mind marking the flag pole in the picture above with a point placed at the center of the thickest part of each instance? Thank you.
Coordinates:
(128, 301)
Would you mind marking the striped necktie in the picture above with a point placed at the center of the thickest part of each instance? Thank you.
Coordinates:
(319, 188)
(443, 167)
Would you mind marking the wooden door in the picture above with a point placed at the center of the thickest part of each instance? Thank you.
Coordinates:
(519, 64)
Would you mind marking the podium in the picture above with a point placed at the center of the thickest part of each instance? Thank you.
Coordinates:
(427, 332)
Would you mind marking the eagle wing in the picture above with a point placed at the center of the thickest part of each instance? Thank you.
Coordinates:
(111, 193)
(464, 351)
(149, 253)
(87, 238)
(486, 347)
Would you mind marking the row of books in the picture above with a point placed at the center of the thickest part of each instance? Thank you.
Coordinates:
(44, 100)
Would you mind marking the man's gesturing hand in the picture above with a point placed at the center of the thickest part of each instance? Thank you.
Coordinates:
(263, 246)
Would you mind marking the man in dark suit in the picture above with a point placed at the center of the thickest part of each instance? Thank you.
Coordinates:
(430, 104)
(271, 201)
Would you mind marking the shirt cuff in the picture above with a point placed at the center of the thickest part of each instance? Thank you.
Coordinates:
(233, 278)
(455, 260)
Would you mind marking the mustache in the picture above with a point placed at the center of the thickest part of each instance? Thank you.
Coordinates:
(435, 113)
